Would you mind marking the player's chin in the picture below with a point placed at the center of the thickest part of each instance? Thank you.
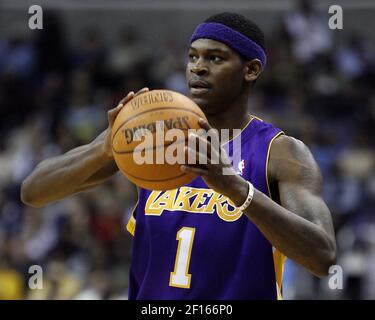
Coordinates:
(203, 101)
(204, 104)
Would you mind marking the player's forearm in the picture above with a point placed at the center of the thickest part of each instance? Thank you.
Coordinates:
(61, 176)
(297, 238)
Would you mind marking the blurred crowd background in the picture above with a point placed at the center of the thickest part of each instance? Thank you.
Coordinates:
(318, 86)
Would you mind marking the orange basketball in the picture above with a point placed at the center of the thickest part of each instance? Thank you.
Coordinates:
(145, 143)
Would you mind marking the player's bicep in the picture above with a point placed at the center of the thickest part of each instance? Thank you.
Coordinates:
(300, 182)
(305, 203)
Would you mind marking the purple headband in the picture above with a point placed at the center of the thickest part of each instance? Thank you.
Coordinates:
(232, 38)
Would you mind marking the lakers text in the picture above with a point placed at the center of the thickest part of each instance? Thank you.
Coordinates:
(192, 201)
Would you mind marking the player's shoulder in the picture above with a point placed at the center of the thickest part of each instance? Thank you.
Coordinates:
(289, 145)
(288, 156)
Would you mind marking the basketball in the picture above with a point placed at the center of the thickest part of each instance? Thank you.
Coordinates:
(140, 132)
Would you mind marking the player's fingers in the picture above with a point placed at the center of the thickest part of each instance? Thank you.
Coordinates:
(121, 104)
(112, 114)
(111, 117)
(224, 159)
(127, 98)
(201, 144)
(213, 134)
(193, 157)
(131, 95)
(195, 170)
(190, 155)
(207, 149)
(204, 124)
(143, 90)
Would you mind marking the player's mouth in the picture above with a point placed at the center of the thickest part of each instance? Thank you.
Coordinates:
(199, 87)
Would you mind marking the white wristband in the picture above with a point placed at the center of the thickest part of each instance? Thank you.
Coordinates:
(249, 197)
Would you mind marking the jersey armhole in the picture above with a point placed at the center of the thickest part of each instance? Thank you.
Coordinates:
(278, 258)
(130, 226)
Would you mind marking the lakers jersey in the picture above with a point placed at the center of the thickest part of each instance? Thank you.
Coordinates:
(193, 243)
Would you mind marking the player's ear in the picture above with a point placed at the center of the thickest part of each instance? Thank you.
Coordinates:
(253, 68)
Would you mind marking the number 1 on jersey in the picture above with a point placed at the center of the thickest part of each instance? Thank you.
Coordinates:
(180, 277)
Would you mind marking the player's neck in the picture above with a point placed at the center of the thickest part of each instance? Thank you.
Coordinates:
(235, 116)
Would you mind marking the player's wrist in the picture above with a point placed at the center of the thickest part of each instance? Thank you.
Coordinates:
(249, 197)
(238, 191)
(103, 152)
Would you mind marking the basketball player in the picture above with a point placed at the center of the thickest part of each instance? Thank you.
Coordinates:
(221, 236)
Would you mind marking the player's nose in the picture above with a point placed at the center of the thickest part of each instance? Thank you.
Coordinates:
(199, 68)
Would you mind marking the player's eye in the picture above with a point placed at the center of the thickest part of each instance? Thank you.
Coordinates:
(192, 57)
(216, 58)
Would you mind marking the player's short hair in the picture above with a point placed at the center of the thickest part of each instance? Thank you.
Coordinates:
(241, 24)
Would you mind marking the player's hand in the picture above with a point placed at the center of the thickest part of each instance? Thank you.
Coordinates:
(218, 172)
(112, 114)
